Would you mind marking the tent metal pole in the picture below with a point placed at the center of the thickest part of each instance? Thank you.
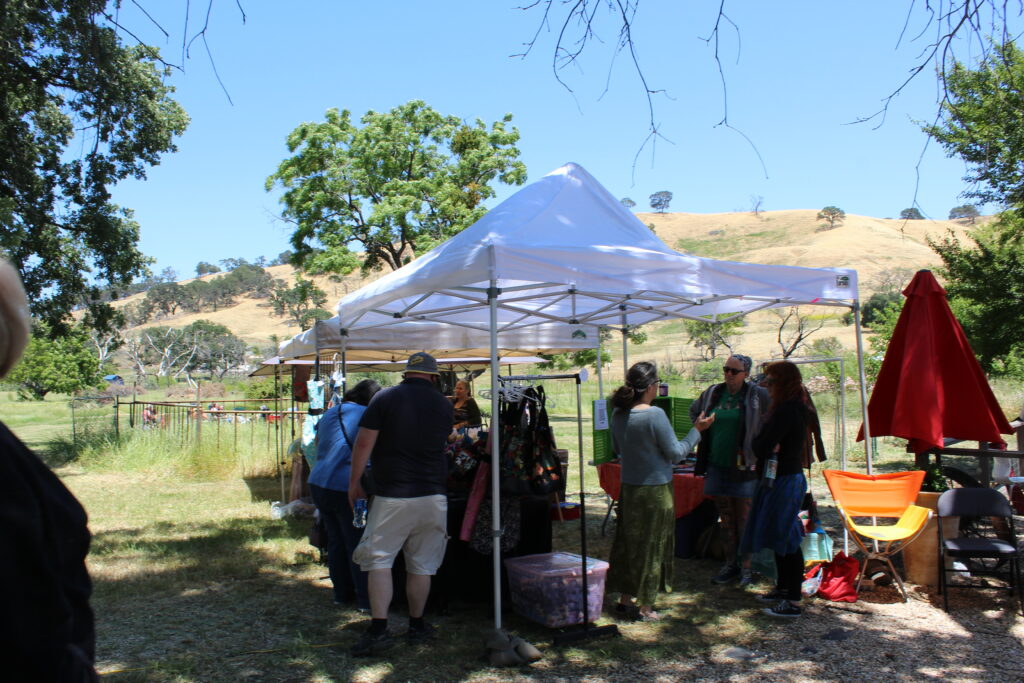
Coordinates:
(600, 357)
(625, 343)
(492, 300)
(842, 411)
(863, 386)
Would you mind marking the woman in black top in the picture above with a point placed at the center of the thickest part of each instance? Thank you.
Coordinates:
(467, 413)
(773, 521)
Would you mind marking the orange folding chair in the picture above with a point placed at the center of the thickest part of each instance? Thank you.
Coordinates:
(888, 496)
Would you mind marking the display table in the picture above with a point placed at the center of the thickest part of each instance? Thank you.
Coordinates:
(689, 489)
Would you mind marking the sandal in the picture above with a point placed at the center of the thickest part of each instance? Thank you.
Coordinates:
(650, 616)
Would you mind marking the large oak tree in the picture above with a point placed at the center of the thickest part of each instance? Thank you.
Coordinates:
(397, 185)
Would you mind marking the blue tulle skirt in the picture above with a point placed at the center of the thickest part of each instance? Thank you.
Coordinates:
(774, 516)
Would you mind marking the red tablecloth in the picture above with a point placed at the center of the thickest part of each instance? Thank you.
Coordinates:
(689, 490)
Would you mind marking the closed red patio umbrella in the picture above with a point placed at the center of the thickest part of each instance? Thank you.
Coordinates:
(930, 386)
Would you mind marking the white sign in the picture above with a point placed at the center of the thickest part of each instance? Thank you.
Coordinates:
(600, 414)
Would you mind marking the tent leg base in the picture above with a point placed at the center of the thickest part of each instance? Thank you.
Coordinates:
(585, 633)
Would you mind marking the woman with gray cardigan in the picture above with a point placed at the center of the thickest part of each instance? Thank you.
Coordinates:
(642, 552)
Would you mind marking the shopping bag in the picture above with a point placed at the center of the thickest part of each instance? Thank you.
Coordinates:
(839, 579)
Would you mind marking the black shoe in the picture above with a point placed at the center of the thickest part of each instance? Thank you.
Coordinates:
(372, 644)
(772, 598)
(415, 636)
(785, 609)
(727, 574)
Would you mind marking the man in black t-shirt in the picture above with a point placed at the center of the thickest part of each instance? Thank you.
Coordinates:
(406, 429)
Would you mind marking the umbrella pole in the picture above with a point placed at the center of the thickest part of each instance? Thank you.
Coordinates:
(863, 385)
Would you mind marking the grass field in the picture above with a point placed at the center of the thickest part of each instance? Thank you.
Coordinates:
(194, 581)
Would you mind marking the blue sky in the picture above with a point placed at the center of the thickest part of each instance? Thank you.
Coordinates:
(797, 75)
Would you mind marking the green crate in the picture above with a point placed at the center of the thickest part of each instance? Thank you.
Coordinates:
(677, 409)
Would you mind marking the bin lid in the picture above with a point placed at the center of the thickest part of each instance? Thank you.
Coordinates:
(560, 564)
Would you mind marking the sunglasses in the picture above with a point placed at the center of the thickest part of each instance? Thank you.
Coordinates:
(731, 371)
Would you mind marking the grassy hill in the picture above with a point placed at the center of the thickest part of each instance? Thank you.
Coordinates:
(872, 246)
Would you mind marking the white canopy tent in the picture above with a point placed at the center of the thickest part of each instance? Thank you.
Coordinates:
(562, 255)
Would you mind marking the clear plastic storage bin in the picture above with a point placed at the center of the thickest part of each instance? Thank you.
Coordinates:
(548, 588)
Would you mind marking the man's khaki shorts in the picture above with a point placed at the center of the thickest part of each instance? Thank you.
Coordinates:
(418, 526)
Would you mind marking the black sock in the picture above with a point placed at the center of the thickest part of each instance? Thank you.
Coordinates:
(416, 623)
(378, 626)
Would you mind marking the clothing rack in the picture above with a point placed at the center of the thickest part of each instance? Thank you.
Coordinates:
(588, 630)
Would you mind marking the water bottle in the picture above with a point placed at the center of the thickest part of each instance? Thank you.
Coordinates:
(770, 470)
(359, 513)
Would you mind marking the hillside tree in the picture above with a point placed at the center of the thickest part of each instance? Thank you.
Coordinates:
(911, 214)
(399, 184)
(218, 350)
(708, 336)
(204, 268)
(832, 215)
(660, 200)
(299, 301)
(627, 202)
(966, 212)
(82, 111)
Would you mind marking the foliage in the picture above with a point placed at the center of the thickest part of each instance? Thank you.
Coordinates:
(402, 183)
(911, 214)
(298, 301)
(217, 349)
(64, 365)
(627, 202)
(264, 388)
(660, 200)
(982, 282)
(204, 268)
(708, 336)
(885, 323)
(934, 480)
(876, 303)
(968, 212)
(981, 122)
(832, 215)
(831, 347)
(81, 112)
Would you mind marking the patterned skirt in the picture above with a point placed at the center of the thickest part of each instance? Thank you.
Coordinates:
(774, 517)
(643, 551)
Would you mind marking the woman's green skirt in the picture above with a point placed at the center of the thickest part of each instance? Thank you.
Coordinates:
(644, 547)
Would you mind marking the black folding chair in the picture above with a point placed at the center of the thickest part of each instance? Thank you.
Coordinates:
(991, 550)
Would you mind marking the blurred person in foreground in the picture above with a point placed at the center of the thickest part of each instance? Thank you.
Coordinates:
(643, 549)
(46, 629)
(328, 483)
(726, 457)
(774, 515)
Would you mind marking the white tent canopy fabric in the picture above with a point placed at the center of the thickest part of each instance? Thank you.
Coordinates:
(439, 339)
(565, 250)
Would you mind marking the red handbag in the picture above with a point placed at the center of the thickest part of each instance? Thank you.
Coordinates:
(839, 579)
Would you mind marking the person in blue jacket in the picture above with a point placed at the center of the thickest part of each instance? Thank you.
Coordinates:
(328, 483)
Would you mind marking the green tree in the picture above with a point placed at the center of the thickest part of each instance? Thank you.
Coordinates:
(64, 365)
(298, 301)
(204, 268)
(401, 183)
(660, 200)
(872, 308)
(627, 202)
(968, 212)
(911, 214)
(164, 297)
(585, 358)
(981, 122)
(985, 283)
(218, 350)
(831, 215)
(884, 325)
(709, 336)
(81, 112)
